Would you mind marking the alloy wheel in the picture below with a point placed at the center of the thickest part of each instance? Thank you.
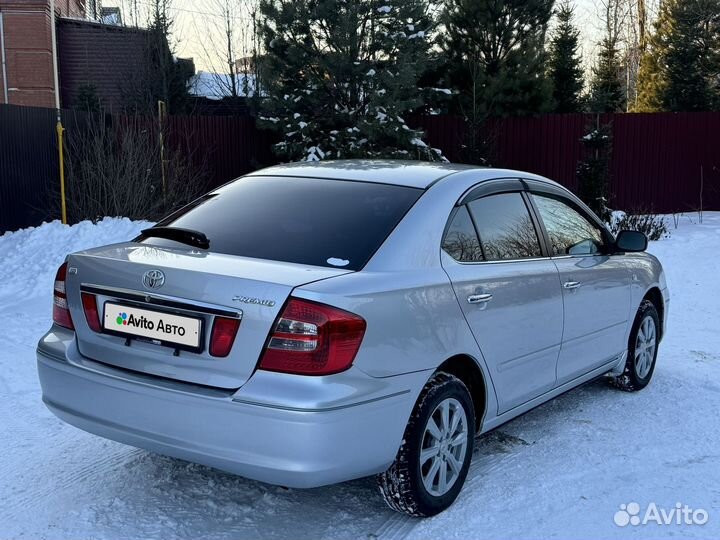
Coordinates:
(443, 448)
(645, 345)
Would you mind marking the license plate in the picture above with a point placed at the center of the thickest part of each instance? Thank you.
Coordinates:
(165, 328)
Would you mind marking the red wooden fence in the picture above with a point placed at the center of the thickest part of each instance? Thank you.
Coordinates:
(657, 159)
(226, 146)
(656, 164)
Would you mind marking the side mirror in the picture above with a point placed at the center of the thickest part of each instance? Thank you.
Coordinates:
(631, 241)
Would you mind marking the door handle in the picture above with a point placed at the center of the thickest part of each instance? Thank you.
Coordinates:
(572, 284)
(479, 298)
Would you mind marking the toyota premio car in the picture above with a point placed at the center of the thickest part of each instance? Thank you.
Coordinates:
(309, 324)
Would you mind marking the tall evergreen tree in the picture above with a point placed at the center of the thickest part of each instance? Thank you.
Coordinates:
(606, 88)
(680, 70)
(342, 74)
(163, 76)
(496, 54)
(564, 63)
(593, 173)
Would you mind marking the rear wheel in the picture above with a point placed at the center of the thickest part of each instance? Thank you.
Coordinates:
(433, 461)
(642, 349)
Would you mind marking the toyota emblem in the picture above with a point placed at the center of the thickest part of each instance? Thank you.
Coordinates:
(153, 279)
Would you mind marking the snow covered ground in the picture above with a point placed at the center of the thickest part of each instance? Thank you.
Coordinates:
(562, 470)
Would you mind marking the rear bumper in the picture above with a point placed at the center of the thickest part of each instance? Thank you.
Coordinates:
(293, 447)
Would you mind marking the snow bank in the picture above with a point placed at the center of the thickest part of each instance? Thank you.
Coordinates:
(31, 256)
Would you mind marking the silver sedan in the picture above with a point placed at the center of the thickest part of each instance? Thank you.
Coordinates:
(313, 323)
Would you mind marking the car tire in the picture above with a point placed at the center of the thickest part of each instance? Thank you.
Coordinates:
(642, 350)
(439, 436)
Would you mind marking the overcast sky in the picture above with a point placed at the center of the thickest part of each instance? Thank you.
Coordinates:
(198, 22)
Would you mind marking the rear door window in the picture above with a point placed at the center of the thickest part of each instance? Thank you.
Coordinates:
(318, 222)
(461, 240)
(505, 227)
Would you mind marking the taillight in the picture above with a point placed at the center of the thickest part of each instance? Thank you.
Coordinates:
(223, 336)
(61, 313)
(313, 339)
(89, 303)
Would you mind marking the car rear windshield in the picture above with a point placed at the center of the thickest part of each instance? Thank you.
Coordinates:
(331, 223)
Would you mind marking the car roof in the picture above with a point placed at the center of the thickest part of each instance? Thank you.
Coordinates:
(417, 174)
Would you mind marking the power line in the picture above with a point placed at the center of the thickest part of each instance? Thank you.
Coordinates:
(198, 12)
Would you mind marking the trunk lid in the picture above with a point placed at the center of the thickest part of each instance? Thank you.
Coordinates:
(197, 284)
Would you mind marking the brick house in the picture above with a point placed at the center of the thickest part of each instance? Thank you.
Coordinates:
(109, 58)
(26, 76)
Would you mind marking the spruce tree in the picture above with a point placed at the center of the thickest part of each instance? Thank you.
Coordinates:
(680, 70)
(163, 77)
(495, 64)
(606, 88)
(564, 64)
(87, 99)
(593, 173)
(342, 76)
(496, 55)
